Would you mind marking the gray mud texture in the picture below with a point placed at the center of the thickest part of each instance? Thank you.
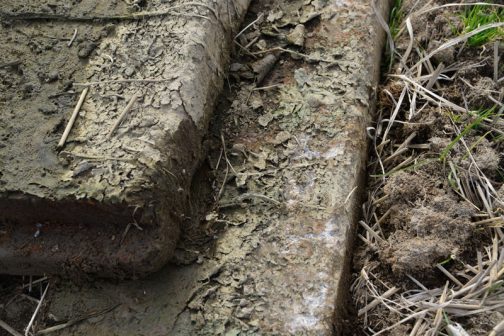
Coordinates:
(110, 201)
(288, 149)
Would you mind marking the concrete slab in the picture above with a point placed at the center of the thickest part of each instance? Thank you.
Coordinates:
(298, 162)
(111, 200)
(285, 271)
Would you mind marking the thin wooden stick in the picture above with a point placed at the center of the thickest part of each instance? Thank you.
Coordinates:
(73, 38)
(9, 329)
(249, 25)
(449, 275)
(435, 76)
(30, 324)
(76, 320)
(372, 232)
(75, 113)
(497, 329)
(123, 114)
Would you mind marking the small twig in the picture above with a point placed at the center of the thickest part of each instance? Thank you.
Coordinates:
(373, 233)
(123, 114)
(30, 324)
(76, 320)
(248, 26)
(350, 194)
(221, 190)
(34, 282)
(439, 312)
(73, 38)
(75, 113)
(29, 298)
(264, 88)
(378, 300)
(126, 230)
(494, 221)
(9, 329)
(225, 154)
(449, 275)
(244, 49)
(497, 329)
(435, 76)
(381, 199)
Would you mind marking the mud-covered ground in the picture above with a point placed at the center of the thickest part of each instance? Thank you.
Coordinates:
(436, 183)
(38, 67)
(273, 153)
(40, 61)
(160, 64)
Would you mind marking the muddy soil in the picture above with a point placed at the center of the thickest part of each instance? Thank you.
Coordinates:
(134, 174)
(38, 70)
(272, 147)
(423, 219)
(38, 65)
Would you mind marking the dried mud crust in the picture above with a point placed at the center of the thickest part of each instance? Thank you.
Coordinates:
(288, 153)
(111, 201)
(415, 207)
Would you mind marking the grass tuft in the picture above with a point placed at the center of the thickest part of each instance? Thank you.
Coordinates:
(478, 16)
(396, 17)
(481, 115)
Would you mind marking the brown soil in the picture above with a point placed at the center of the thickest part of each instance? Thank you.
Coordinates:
(422, 219)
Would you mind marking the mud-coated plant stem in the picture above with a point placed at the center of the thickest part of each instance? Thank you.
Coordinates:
(75, 113)
(30, 324)
(123, 114)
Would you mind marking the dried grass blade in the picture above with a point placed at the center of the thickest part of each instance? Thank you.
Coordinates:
(9, 329)
(386, 28)
(407, 53)
(378, 300)
(372, 232)
(430, 95)
(459, 39)
(449, 275)
(394, 114)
